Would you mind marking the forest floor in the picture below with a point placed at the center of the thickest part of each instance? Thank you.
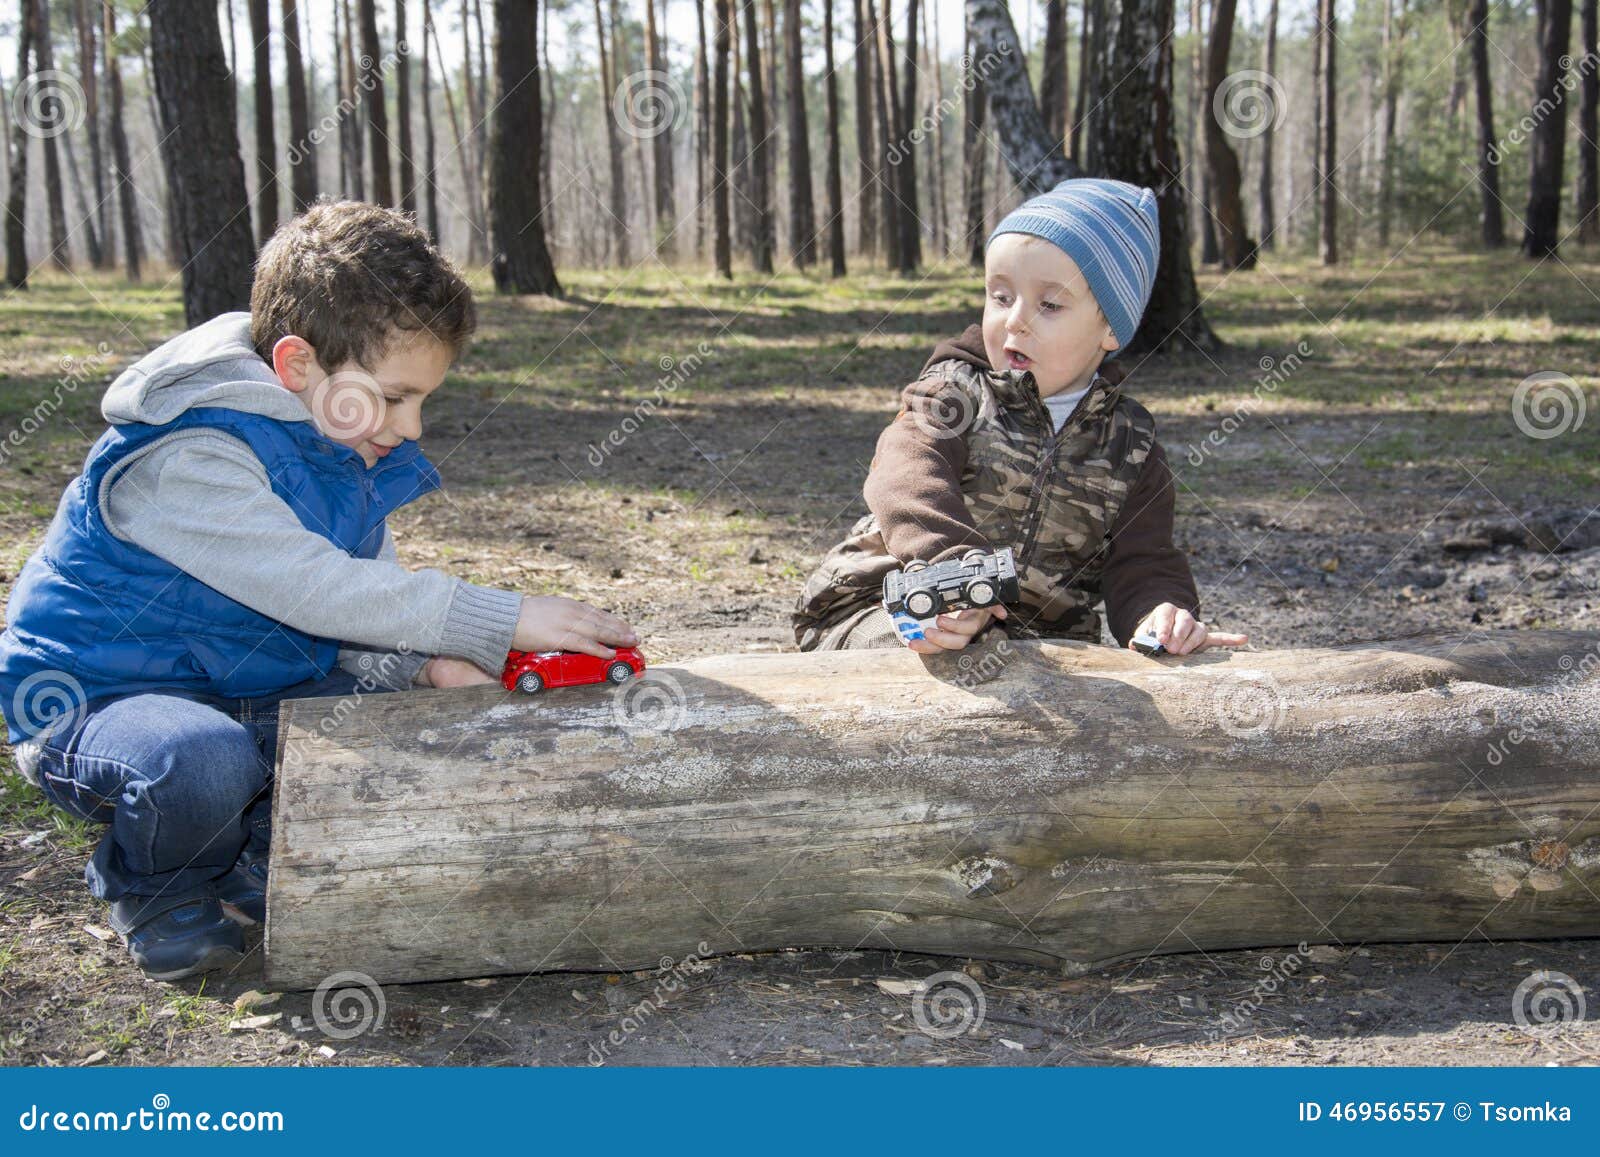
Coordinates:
(682, 450)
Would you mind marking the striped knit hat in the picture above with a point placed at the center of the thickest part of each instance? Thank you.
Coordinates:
(1111, 229)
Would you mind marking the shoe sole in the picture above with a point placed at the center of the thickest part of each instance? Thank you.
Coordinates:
(215, 958)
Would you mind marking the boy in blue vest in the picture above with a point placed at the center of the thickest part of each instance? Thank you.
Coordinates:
(226, 547)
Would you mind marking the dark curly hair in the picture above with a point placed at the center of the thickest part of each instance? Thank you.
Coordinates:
(348, 277)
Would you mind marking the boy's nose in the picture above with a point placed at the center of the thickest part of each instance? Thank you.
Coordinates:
(1016, 320)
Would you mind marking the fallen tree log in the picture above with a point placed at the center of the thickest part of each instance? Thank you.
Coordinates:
(1063, 804)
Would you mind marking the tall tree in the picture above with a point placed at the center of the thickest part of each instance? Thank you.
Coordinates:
(266, 136)
(910, 216)
(1542, 222)
(1053, 86)
(402, 109)
(1493, 216)
(44, 54)
(761, 242)
(802, 209)
(834, 179)
(1269, 65)
(937, 185)
(17, 194)
(88, 57)
(702, 150)
(377, 110)
(721, 244)
(973, 145)
(1086, 39)
(890, 138)
(1133, 136)
(619, 192)
(462, 150)
(866, 150)
(1236, 250)
(1327, 139)
(121, 169)
(349, 124)
(302, 149)
(429, 180)
(1394, 36)
(516, 206)
(200, 152)
(1200, 139)
(661, 141)
(1588, 186)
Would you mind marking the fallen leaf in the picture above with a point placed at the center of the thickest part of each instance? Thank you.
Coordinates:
(901, 987)
(255, 998)
(1011, 1044)
(95, 1057)
(99, 933)
(254, 1023)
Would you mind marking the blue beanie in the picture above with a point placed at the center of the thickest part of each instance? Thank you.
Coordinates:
(1111, 229)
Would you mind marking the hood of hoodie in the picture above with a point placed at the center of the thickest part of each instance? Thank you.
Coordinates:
(211, 365)
(969, 348)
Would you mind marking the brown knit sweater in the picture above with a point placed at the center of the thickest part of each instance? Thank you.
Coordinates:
(914, 488)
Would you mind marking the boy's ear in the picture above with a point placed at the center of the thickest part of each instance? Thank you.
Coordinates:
(293, 360)
(1108, 340)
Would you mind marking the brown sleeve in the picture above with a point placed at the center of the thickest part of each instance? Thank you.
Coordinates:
(1143, 568)
(914, 485)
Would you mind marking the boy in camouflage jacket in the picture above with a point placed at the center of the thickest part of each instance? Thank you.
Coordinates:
(1017, 435)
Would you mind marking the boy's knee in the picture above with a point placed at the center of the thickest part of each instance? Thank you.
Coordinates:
(177, 749)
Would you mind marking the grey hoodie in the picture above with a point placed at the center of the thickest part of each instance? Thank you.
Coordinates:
(201, 500)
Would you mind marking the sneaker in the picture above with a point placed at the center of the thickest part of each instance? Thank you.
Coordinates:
(170, 937)
(242, 890)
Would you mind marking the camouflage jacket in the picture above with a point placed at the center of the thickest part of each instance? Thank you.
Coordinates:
(1059, 499)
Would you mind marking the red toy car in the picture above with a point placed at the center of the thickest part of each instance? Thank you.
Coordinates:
(533, 671)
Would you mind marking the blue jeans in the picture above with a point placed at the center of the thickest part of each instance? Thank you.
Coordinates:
(182, 779)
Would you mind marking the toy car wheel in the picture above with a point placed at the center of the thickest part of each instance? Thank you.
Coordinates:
(980, 593)
(619, 673)
(920, 604)
(973, 555)
(914, 566)
(530, 682)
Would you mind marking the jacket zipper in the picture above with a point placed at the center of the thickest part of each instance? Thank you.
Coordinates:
(1047, 464)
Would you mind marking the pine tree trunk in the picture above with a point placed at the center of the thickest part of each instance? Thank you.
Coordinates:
(835, 179)
(619, 194)
(266, 135)
(1053, 70)
(866, 147)
(17, 193)
(1394, 33)
(430, 183)
(472, 160)
(910, 211)
(1328, 161)
(121, 168)
(661, 141)
(352, 138)
(377, 110)
(302, 149)
(1085, 63)
(802, 210)
(721, 241)
(1235, 249)
(516, 205)
(1036, 161)
(703, 143)
(1269, 64)
(1542, 230)
(55, 193)
(200, 150)
(937, 186)
(761, 240)
(462, 150)
(973, 146)
(1588, 185)
(889, 136)
(402, 109)
(88, 57)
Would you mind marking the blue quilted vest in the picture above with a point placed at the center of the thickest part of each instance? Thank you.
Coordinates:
(93, 616)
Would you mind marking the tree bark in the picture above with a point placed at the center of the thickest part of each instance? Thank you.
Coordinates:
(88, 58)
(802, 208)
(302, 149)
(1066, 805)
(121, 166)
(890, 137)
(1394, 35)
(55, 193)
(430, 181)
(1210, 251)
(1587, 194)
(200, 151)
(1541, 233)
(349, 127)
(1034, 158)
(910, 210)
(721, 242)
(402, 110)
(1328, 158)
(702, 150)
(266, 135)
(866, 148)
(661, 142)
(761, 238)
(522, 261)
(1493, 215)
(1235, 249)
(618, 191)
(1053, 70)
(377, 110)
(835, 179)
(973, 148)
(1269, 65)
(17, 193)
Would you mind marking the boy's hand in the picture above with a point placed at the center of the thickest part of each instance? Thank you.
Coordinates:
(952, 632)
(552, 623)
(441, 671)
(1181, 633)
